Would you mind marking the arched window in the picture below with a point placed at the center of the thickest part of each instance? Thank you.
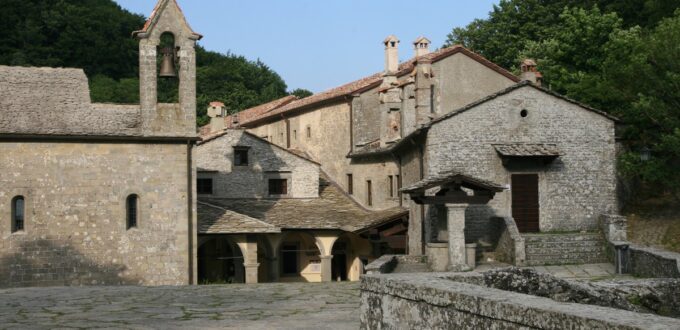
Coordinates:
(18, 213)
(131, 211)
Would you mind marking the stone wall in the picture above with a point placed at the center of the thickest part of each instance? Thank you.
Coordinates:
(75, 224)
(574, 189)
(460, 80)
(650, 262)
(433, 301)
(329, 144)
(215, 159)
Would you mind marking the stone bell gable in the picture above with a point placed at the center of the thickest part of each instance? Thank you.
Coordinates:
(167, 19)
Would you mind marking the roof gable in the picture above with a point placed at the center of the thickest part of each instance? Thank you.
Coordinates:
(162, 8)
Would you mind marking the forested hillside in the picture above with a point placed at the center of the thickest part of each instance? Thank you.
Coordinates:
(96, 35)
(619, 56)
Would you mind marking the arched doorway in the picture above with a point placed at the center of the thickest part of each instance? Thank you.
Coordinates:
(347, 251)
(299, 258)
(220, 261)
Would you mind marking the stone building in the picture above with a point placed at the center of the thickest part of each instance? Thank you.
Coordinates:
(268, 214)
(452, 111)
(100, 193)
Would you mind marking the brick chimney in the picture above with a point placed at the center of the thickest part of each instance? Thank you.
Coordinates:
(217, 111)
(530, 72)
(391, 54)
(422, 46)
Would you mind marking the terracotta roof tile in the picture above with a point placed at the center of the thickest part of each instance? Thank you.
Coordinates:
(451, 176)
(527, 150)
(375, 80)
(213, 219)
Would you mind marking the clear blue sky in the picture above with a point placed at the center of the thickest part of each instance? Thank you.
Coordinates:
(320, 44)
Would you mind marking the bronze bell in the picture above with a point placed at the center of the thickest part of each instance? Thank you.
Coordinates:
(168, 63)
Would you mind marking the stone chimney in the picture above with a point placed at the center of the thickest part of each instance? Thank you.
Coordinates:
(422, 46)
(391, 55)
(217, 111)
(530, 72)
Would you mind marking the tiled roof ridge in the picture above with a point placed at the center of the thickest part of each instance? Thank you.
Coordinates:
(375, 80)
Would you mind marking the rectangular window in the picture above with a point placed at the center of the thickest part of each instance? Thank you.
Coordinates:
(369, 193)
(432, 109)
(204, 186)
(278, 187)
(390, 182)
(240, 156)
(398, 177)
(350, 184)
(295, 134)
(309, 132)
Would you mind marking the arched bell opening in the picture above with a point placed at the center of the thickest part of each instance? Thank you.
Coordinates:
(220, 261)
(168, 69)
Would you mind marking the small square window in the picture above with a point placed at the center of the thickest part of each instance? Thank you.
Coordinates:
(205, 186)
(278, 187)
(240, 156)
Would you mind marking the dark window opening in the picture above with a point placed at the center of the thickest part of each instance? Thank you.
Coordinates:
(278, 186)
(390, 180)
(369, 193)
(295, 134)
(350, 184)
(204, 186)
(289, 258)
(524, 113)
(309, 132)
(131, 211)
(398, 177)
(240, 156)
(432, 109)
(18, 213)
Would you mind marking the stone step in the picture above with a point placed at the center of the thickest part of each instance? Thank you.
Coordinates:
(564, 250)
(531, 238)
(565, 262)
(411, 268)
(567, 244)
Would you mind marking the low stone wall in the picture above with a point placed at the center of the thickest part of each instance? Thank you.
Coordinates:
(510, 247)
(434, 301)
(637, 260)
(383, 265)
(649, 262)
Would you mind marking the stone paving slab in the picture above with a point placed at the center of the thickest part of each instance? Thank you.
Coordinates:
(261, 306)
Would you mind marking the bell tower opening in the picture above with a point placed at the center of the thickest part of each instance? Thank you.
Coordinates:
(168, 79)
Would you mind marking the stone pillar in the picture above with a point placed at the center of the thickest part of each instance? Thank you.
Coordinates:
(456, 229)
(415, 229)
(274, 275)
(326, 268)
(251, 272)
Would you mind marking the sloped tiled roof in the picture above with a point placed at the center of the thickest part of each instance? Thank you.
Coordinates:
(213, 219)
(453, 176)
(527, 150)
(332, 210)
(373, 81)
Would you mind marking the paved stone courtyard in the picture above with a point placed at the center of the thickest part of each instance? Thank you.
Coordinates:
(262, 306)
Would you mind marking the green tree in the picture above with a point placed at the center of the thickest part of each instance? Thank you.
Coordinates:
(301, 93)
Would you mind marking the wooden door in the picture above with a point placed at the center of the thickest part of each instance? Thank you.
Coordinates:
(525, 202)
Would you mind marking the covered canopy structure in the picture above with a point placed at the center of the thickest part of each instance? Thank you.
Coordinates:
(451, 194)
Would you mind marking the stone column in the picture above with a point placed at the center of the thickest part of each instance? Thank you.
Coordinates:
(251, 272)
(326, 268)
(415, 229)
(274, 275)
(456, 229)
